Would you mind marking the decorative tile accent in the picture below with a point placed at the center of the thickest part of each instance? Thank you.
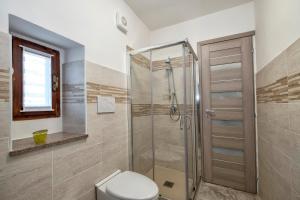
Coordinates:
(73, 93)
(163, 109)
(159, 64)
(93, 90)
(294, 87)
(158, 109)
(275, 92)
(176, 62)
(4, 85)
(141, 60)
(283, 90)
(139, 110)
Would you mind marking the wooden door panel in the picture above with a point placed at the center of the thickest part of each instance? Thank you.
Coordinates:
(230, 71)
(229, 174)
(225, 60)
(227, 131)
(218, 46)
(227, 142)
(229, 158)
(228, 165)
(232, 184)
(228, 112)
(225, 100)
(226, 86)
(225, 52)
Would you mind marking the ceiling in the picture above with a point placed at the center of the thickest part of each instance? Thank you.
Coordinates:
(160, 13)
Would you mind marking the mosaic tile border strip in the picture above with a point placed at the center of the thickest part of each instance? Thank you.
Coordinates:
(4, 85)
(139, 110)
(176, 62)
(281, 91)
(294, 87)
(274, 92)
(73, 93)
(142, 61)
(94, 89)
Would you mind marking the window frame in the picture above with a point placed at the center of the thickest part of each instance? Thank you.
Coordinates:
(17, 80)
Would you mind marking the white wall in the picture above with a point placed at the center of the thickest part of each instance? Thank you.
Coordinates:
(227, 22)
(90, 23)
(277, 27)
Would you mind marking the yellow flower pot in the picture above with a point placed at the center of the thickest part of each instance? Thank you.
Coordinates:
(40, 136)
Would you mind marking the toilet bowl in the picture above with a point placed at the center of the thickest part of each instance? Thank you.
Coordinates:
(127, 185)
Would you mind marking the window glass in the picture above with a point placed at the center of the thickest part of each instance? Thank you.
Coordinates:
(37, 94)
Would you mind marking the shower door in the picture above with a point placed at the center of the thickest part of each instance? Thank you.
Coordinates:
(169, 111)
(228, 116)
(162, 118)
(140, 119)
(189, 120)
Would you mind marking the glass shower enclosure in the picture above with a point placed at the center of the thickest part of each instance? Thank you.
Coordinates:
(163, 121)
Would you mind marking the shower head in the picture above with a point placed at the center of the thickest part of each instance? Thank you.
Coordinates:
(168, 61)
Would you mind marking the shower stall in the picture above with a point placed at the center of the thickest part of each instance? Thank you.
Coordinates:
(165, 141)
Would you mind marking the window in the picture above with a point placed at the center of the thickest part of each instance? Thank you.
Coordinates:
(36, 84)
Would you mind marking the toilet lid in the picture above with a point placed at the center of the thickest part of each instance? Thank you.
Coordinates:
(132, 186)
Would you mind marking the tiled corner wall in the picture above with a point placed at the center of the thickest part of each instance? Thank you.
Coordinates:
(278, 121)
(73, 100)
(168, 138)
(69, 171)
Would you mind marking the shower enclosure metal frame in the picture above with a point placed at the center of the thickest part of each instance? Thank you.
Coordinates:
(185, 44)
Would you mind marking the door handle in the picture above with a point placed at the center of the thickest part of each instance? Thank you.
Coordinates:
(209, 112)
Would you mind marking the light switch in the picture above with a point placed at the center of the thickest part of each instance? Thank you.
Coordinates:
(106, 104)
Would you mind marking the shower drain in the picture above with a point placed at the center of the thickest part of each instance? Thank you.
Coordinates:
(168, 184)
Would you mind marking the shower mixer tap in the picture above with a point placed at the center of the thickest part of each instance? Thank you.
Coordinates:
(174, 106)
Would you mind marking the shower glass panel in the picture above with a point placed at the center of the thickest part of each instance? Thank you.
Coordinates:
(168, 109)
(189, 118)
(141, 117)
(164, 119)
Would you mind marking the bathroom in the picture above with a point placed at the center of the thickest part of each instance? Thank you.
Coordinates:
(137, 103)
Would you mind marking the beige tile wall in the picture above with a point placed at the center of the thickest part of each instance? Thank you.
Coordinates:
(69, 171)
(169, 139)
(169, 143)
(278, 122)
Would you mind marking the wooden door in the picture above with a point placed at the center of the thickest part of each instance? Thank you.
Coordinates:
(228, 112)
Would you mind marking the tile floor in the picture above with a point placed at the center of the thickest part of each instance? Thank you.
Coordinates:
(163, 174)
(206, 191)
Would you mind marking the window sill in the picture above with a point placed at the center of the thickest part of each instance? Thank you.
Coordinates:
(27, 145)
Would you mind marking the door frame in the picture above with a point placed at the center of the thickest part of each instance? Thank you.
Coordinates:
(252, 188)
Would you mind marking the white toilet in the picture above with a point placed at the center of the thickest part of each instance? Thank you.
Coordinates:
(127, 185)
